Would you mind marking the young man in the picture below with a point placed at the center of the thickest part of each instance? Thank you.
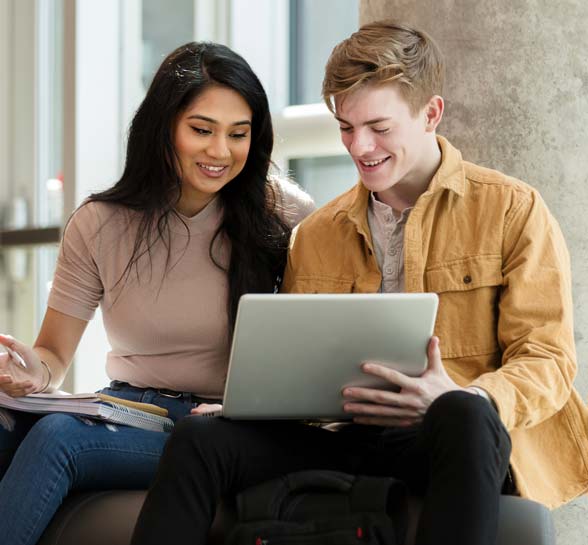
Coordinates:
(502, 361)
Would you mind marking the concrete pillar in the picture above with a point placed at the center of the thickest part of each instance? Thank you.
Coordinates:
(517, 100)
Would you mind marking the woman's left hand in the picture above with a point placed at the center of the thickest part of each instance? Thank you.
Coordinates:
(204, 408)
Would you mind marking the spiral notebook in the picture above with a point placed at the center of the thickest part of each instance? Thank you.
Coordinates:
(89, 405)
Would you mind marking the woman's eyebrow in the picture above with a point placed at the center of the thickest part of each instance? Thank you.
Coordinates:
(211, 120)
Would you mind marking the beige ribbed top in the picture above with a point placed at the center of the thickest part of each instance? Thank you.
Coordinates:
(164, 332)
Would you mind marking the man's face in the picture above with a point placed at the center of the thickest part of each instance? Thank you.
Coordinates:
(387, 142)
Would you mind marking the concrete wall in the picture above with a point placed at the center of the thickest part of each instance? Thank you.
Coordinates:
(517, 101)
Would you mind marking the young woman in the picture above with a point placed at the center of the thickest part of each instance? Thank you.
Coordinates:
(194, 222)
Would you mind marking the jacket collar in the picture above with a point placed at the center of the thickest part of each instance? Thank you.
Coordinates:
(450, 175)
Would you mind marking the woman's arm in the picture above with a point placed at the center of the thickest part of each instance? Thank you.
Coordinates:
(49, 359)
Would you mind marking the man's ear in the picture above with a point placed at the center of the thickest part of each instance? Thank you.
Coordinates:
(434, 112)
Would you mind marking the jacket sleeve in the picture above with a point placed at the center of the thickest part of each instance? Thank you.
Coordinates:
(289, 284)
(535, 319)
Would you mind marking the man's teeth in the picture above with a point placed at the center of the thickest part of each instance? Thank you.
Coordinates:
(373, 163)
(211, 168)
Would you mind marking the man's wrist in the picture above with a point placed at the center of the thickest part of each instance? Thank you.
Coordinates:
(476, 390)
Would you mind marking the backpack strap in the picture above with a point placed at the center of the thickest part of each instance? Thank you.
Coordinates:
(377, 494)
(268, 500)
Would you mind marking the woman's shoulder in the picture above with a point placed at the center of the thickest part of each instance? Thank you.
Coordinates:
(292, 202)
(101, 213)
(93, 217)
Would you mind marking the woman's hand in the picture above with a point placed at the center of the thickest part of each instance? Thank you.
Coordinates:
(204, 408)
(17, 379)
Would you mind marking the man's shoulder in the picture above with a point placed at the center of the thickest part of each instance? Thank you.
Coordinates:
(494, 190)
(329, 213)
(489, 179)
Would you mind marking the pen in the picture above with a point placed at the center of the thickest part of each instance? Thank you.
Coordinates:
(16, 357)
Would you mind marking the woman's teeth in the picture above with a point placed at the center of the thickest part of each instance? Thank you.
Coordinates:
(210, 167)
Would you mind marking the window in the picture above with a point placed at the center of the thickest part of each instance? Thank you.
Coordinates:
(315, 28)
(324, 177)
(162, 30)
(83, 68)
(31, 180)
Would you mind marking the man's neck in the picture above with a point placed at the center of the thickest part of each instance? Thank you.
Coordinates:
(405, 193)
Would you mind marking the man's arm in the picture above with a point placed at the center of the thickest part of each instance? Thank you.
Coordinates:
(290, 271)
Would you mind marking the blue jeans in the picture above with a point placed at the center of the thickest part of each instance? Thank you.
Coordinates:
(47, 456)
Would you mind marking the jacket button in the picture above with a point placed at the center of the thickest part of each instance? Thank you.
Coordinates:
(467, 279)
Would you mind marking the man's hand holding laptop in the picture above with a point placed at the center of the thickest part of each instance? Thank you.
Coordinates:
(378, 407)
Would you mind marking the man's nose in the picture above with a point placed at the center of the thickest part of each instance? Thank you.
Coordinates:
(362, 142)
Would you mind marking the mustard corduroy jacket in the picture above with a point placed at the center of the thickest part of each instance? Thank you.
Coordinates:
(489, 247)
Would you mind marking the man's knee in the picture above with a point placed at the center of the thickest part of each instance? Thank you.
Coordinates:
(461, 409)
(468, 419)
(196, 433)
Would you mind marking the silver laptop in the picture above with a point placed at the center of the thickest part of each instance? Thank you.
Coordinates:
(293, 354)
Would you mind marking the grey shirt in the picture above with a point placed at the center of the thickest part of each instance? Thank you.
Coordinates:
(388, 239)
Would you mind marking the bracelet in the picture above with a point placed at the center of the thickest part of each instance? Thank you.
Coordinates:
(49, 377)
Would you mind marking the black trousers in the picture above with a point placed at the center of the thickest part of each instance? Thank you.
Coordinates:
(457, 459)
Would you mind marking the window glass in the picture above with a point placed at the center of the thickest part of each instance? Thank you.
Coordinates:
(48, 193)
(21, 292)
(315, 28)
(324, 177)
(34, 196)
(165, 26)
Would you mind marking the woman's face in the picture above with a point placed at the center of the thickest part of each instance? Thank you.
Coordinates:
(211, 138)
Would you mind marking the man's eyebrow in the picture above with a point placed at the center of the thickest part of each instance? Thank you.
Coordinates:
(214, 121)
(369, 122)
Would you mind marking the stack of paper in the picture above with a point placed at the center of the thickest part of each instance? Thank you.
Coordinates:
(99, 406)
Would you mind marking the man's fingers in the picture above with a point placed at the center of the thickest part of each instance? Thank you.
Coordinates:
(370, 409)
(434, 354)
(391, 375)
(382, 397)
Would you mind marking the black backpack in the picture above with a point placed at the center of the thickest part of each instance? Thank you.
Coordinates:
(322, 508)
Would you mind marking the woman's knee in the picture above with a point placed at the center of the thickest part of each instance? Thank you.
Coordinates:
(56, 433)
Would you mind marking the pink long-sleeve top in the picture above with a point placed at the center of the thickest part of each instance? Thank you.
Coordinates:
(166, 322)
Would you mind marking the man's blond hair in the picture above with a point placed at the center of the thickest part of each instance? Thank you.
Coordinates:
(386, 51)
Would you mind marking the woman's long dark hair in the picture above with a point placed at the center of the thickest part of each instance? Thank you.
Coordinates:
(151, 183)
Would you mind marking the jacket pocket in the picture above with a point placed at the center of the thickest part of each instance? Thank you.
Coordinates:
(321, 284)
(468, 291)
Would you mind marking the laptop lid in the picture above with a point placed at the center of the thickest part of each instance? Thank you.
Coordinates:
(292, 354)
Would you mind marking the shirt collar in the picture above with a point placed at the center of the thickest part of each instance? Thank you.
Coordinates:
(450, 175)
